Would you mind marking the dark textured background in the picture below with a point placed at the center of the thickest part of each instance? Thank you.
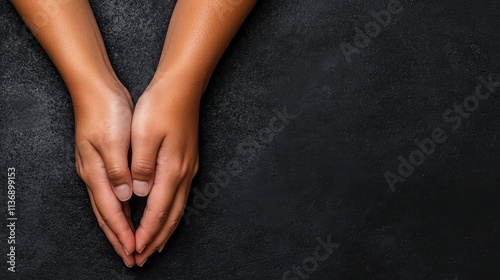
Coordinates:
(322, 175)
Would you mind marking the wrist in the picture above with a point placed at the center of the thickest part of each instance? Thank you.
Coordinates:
(181, 82)
(96, 92)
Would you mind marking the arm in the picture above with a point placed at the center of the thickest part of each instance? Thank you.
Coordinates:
(165, 123)
(68, 32)
(198, 34)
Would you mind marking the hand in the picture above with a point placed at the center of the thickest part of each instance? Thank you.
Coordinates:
(164, 158)
(103, 118)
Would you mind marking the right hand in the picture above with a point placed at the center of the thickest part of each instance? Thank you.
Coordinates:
(103, 117)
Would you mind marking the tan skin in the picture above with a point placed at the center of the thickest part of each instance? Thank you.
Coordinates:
(162, 130)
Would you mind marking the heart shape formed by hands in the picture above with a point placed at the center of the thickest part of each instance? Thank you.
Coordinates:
(162, 133)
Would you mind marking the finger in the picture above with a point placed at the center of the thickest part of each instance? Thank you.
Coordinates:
(111, 211)
(177, 211)
(109, 207)
(169, 227)
(128, 215)
(128, 259)
(115, 160)
(144, 153)
(157, 207)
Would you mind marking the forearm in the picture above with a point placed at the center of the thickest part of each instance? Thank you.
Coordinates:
(68, 32)
(197, 36)
(165, 127)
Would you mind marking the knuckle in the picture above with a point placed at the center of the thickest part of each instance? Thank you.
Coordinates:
(181, 170)
(196, 166)
(116, 173)
(80, 170)
(159, 215)
(143, 168)
(178, 173)
(82, 176)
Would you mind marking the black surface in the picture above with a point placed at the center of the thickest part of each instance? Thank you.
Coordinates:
(323, 174)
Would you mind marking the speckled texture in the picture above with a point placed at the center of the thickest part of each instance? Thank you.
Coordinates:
(321, 175)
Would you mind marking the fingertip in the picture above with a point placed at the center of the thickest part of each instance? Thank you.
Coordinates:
(143, 262)
(142, 249)
(141, 188)
(162, 247)
(140, 242)
(125, 250)
(141, 258)
(127, 264)
(128, 244)
(129, 261)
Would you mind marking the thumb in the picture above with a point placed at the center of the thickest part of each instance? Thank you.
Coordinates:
(144, 153)
(116, 165)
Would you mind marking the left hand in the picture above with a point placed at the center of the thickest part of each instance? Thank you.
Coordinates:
(164, 140)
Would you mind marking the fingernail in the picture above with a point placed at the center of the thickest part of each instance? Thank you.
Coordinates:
(161, 248)
(141, 188)
(143, 262)
(129, 266)
(126, 252)
(140, 251)
(123, 192)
